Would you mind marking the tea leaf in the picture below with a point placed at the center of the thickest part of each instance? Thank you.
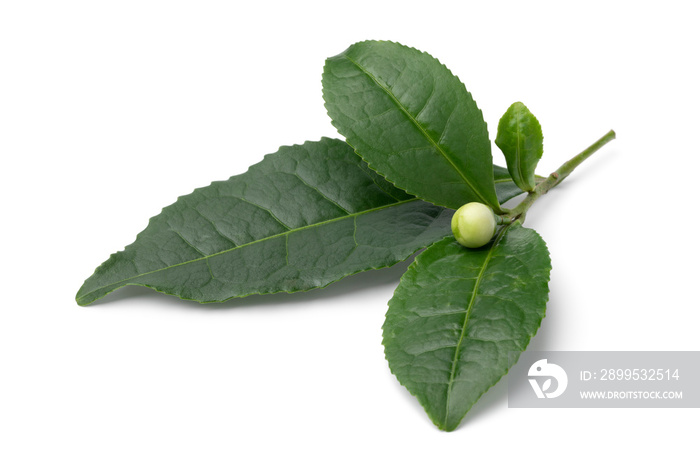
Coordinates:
(302, 218)
(458, 313)
(520, 139)
(412, 121)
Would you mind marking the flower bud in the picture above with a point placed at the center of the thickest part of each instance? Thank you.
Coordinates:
(474, 224)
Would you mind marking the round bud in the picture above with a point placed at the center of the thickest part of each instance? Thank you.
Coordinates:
(474, 224)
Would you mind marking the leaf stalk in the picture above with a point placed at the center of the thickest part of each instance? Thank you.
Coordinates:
(558, 176)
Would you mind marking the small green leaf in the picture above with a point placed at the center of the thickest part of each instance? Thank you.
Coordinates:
(458, 313)
(412, 121)
(302, 218)
(520, 139)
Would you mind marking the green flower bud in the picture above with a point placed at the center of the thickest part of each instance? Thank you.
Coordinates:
(474, 224)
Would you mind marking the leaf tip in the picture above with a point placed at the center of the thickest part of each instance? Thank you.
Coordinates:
(81, 299)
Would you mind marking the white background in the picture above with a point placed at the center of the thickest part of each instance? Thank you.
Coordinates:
(110, 110)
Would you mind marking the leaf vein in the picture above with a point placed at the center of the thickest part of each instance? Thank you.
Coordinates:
(419, 127)
(278, 235)
(469, 309)
(216, 229)
(265, 209)
(335, 203)
(187, 242)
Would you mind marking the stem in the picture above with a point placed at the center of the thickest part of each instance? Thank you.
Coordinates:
(503, 220)
(559, 175)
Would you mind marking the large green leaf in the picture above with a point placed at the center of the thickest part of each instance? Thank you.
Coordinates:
(458, 313)
(302, 218)
(413, 121)
(520, 138)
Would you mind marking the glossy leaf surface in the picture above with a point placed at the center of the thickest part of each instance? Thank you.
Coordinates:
(302, 218)
(458, 313)
(412, 121)
(520, 138)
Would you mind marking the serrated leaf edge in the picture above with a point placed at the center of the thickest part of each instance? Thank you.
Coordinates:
(414, 264)
(83, 302)
(325, 104)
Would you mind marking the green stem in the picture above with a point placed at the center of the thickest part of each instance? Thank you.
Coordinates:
(558, 176)
(503, 220)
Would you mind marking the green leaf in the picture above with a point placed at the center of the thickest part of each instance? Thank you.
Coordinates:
(302, 218)
(412, 121)
(458, 313)
(520, 139)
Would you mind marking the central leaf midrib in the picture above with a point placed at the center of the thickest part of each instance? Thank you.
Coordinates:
(469, 309)
(420, 128)
(517, 147)
(207, 257)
